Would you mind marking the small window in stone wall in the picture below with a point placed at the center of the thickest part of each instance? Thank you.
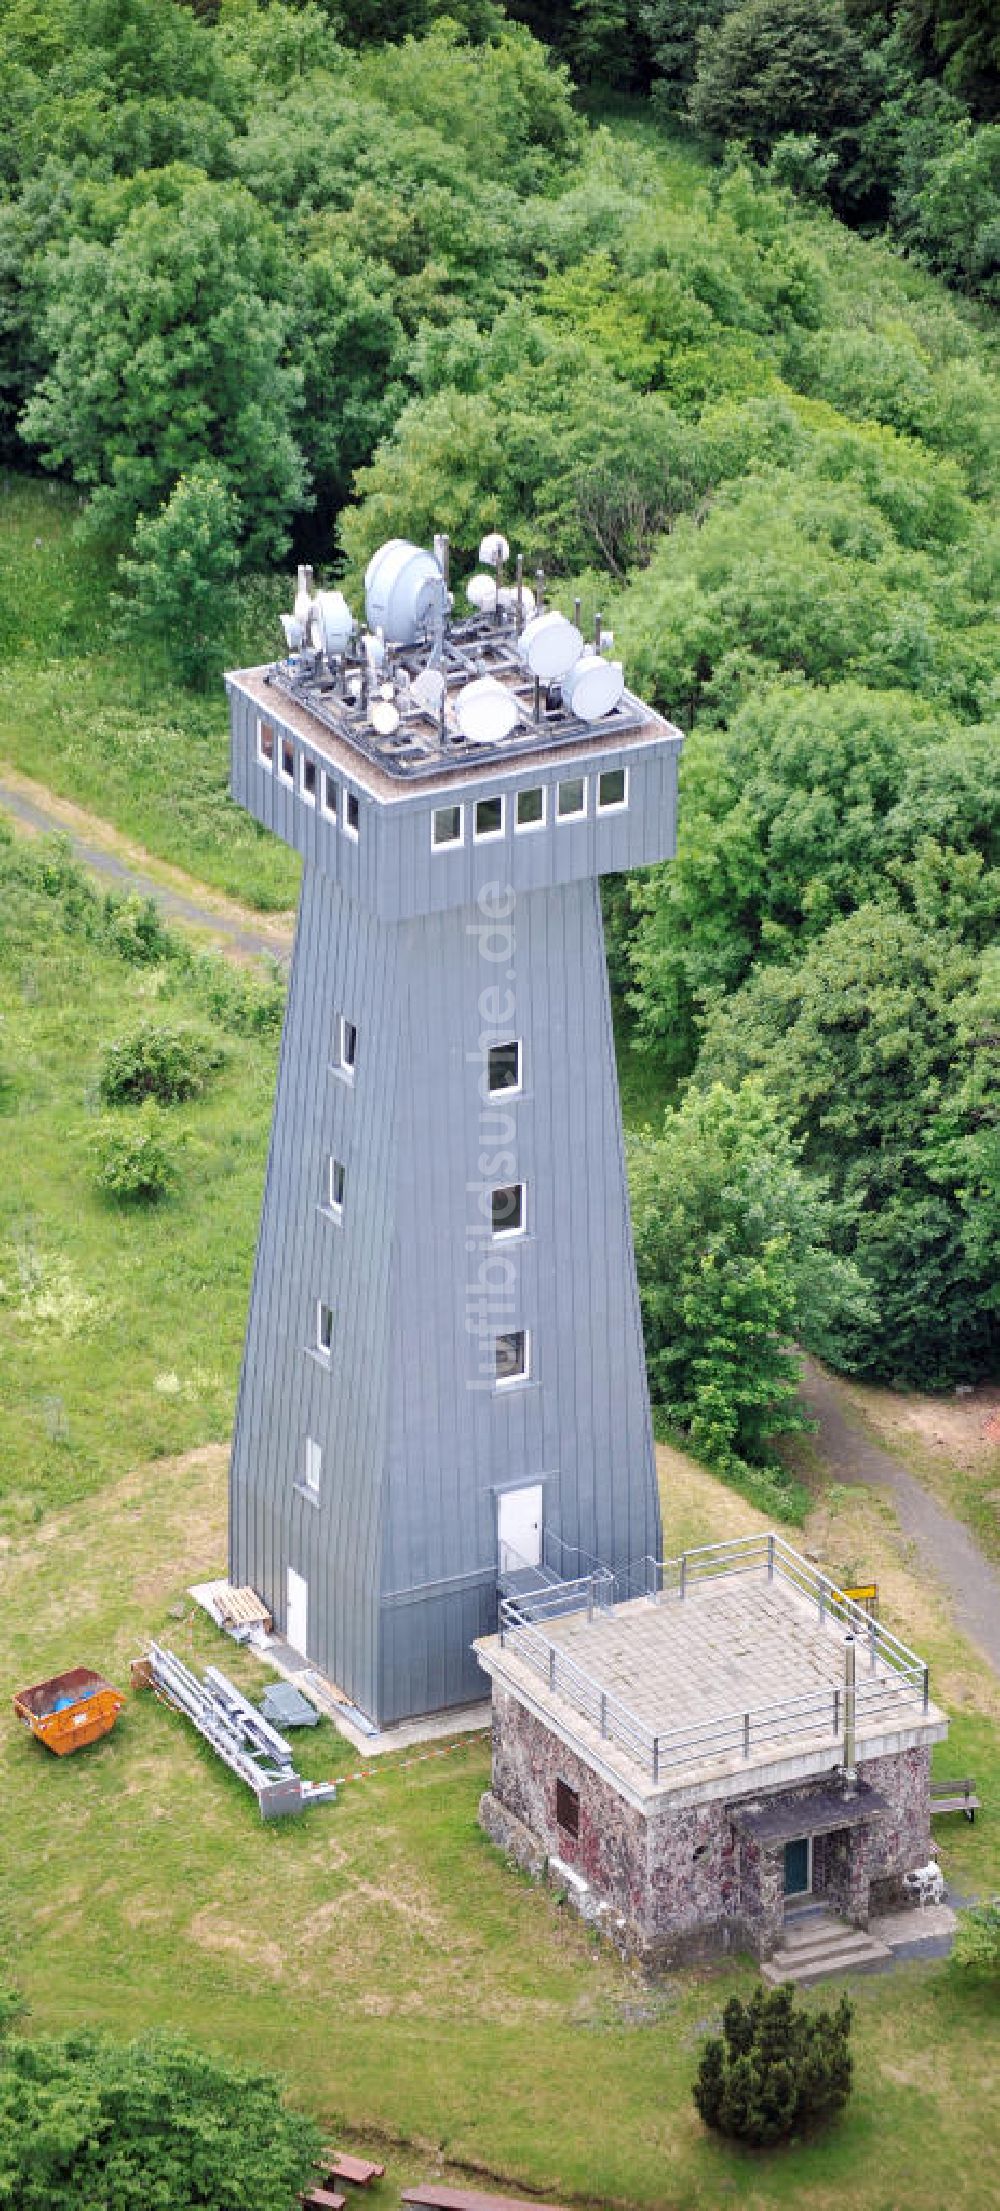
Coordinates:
(567, 1808)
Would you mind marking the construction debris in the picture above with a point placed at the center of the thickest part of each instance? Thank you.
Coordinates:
(239, 1734)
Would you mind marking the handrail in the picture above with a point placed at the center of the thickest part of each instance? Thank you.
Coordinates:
(782, 1720)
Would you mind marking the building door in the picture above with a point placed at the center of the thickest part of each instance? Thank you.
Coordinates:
(297, 1611)
(519, 1528)
(798, 1866)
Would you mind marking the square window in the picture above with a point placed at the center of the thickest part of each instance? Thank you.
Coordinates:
(335, 1180)
(446, 826)
(612, 790)
(511, 1357)
(507, 1206)
(489, 817)
(352, 815)
(265, 744)
(324, 1329)
(345, 1046)
(308, 779)
(531, 808)
(313, 1466)
(503, 1068)
(571, 798)
(329, 794)
(567, 1808)
(287, 760)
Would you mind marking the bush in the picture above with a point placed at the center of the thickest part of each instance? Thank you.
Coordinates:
(135, 1163)
(977, 1940)
(775, 2069)
(158, 1062)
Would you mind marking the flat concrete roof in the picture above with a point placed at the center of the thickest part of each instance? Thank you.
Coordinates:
(736, 1643)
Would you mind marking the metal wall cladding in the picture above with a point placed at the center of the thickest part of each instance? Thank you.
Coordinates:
(398, 1546)
(393, 866)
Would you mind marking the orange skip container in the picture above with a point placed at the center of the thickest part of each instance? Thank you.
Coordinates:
(69, 1711)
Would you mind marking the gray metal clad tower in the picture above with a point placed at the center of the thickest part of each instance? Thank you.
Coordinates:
(443, 1374)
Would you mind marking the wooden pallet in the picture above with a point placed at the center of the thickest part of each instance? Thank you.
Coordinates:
(241, 1608)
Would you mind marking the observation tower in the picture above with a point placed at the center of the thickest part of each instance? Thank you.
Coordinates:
(443, 1382)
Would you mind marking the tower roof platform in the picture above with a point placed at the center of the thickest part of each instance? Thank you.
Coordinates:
(726, 1679)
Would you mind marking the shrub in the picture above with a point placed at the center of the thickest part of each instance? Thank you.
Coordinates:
(135, 1163)
(776, 2069)
(158, 1062)
(977, 1939)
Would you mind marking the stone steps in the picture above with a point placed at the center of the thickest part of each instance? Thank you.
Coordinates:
(817, 1946)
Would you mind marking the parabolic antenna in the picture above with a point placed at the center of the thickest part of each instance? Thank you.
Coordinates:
(486, 713)
(494, 548)
(333, 624)
(594, 687)
(427, 690)
(294, 633)
(507, 598)
(404, 588)
(384, 718)
(481, 592)
(302, 605)
(549, 645)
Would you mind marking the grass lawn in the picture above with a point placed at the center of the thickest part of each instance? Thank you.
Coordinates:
(82, 716)
(377, 1953)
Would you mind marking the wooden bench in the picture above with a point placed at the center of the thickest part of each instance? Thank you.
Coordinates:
(955, 1796)
(469, 2199)
(322, 2199)
(360, 2171)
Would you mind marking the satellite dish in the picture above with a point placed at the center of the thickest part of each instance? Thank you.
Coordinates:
(333, 624)
(404, 589)
(507, 597)
(427, 690)
(384, 718)
(486, 712)
(494, 549)
(374, 648)
(550, 645)
(594, 687)
(481, 592)
(294, 633)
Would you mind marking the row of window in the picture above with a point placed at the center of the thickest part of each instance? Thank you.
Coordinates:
(512, 1363)
(531, 808)
(274, 750)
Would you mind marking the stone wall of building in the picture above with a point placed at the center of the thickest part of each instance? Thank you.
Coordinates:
(685, 1882)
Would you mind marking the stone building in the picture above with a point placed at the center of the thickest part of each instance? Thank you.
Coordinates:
(696, 1760)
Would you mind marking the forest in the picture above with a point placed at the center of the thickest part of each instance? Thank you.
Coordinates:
(696, 303)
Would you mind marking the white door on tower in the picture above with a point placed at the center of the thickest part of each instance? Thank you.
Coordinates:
(519, 1528)
(297, 1611)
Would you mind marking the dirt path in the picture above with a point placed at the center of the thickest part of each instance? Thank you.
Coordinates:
(944, 1547)
(102, 849)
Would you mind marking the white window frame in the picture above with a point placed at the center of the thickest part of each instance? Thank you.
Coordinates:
(581, 811)
(612, 805)
(510, 1089)
(448, 844)
(287, 775)
(323, 1312)
(351, 828)
(330, 785)
(306, 761)
(513, 1381)
(489, 836)
(262, 758)
(343, 1066)
(334, 1204)
(503, 1235)
(312, 1466)
(529, 828)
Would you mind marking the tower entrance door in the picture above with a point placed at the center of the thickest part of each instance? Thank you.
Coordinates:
(519, 1527)
(798, 1866)
(297, 1611)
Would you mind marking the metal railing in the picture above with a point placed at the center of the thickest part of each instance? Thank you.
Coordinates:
(904, 1682)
